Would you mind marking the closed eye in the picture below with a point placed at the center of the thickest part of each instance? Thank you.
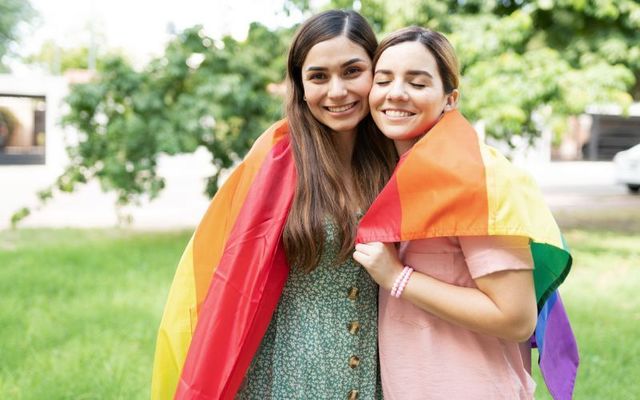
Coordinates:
(382, 83)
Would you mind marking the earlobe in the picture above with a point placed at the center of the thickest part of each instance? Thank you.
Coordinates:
(452, 100)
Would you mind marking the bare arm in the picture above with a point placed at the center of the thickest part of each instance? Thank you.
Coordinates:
(502, 305)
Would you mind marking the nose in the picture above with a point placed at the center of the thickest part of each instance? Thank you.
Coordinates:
(337, 88)
(397, 92)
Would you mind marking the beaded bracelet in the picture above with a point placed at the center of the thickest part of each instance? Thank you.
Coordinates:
(396, 283)
(401, 281)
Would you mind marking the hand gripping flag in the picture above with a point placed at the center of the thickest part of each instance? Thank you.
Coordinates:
(451, 184)
(229, 278)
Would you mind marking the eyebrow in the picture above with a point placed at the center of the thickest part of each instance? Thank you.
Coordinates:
(347, 63)
(412, 72)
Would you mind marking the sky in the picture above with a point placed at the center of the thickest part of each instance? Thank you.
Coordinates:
(141, 27)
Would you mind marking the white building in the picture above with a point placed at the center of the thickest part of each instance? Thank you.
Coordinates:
(34, 156)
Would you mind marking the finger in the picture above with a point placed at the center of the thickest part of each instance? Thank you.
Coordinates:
(363, 248)
(377, 247)
(360, 257)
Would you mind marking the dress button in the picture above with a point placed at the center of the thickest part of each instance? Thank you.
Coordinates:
(354, 327)
(353, 395)
(353, 293)
(354, 361)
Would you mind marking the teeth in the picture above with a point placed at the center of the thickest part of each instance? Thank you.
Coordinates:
(397, 113)
(341, 108)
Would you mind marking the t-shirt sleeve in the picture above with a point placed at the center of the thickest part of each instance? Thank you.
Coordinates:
(488, 254)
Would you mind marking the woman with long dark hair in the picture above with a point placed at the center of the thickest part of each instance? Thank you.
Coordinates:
(322, 341)
(286, 313)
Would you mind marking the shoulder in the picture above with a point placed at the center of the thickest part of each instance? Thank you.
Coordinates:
(488, 254)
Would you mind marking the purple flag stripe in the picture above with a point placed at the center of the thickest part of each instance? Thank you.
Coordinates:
(558, 350)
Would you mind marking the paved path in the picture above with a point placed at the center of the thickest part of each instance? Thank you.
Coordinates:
(568, 186)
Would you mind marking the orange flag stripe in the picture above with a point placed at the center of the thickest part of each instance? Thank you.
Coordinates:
(444, 208)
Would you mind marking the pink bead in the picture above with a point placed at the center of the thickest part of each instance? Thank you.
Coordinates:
(404, 281)
(398, 282)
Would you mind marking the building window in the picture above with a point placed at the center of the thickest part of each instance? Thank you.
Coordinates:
(22, 129)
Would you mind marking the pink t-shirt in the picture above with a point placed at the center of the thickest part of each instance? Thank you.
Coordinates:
(425, 357)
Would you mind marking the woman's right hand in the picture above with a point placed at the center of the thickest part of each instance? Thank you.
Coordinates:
(380, 260)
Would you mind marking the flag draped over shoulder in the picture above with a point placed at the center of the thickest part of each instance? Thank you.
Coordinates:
(451, 184)
(231, 274)
(229, 278)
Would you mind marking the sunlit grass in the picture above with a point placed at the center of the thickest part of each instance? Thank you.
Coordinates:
(79, 311)
(601, 297)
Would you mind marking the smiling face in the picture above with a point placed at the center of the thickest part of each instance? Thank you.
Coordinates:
(336, 77)
(407, 97)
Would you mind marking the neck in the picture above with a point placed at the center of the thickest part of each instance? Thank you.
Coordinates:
(345, 143)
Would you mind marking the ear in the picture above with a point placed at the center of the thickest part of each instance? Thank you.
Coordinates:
(452, 100)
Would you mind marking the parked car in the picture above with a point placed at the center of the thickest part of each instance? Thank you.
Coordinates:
(627, 168)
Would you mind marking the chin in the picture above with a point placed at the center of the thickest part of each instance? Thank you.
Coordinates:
(343, 126)
(395, 132)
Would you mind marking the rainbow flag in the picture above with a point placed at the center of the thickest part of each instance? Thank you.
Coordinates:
(229, 279)
(231, 274)
(451, 184)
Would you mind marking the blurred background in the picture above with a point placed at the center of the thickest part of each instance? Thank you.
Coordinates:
(119, 119)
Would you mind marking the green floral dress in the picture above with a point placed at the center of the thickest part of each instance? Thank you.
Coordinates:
(322, 340)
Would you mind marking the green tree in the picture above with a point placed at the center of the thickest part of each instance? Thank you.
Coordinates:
(527, 64)
(12, 13)
(588, 31)
(202, 92)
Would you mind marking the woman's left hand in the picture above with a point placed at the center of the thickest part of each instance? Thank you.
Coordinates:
(380, 260)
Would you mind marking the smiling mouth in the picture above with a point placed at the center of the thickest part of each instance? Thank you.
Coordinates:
(339, 109)
(397, 113)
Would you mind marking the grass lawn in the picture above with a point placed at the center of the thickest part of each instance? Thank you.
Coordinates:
(79, 311)
(601, 298)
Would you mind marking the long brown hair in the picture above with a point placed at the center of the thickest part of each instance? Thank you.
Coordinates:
(436, 43)
(321, 191)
